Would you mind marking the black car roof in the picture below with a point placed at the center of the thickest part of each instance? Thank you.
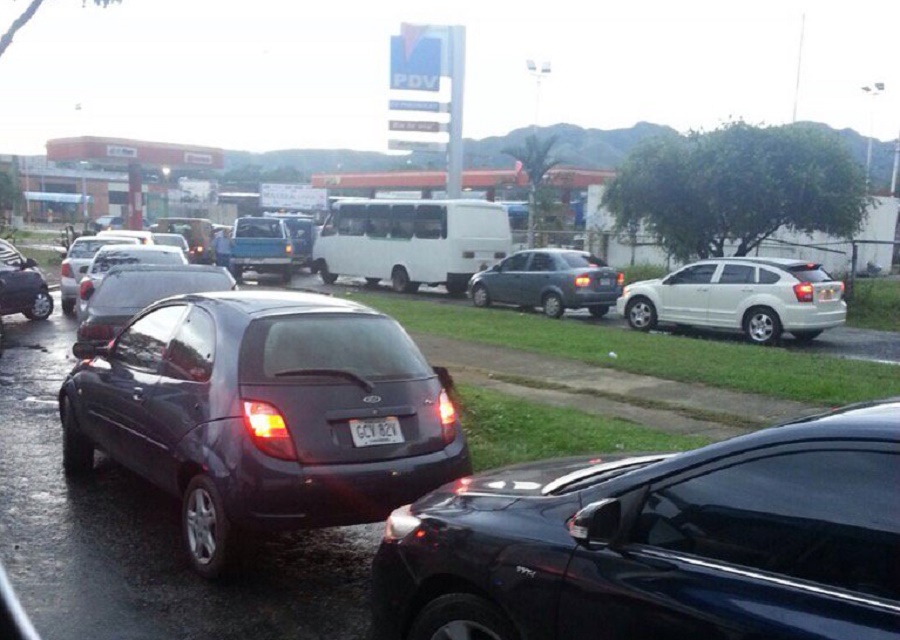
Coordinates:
(261, 303)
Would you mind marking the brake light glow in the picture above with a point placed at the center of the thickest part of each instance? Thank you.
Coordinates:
(86, 289)
(289, 248)
(448, 417)
(66, 271)
(620, 279)
(842, 287)
(268, 430)
(582, 281)
(198, 249)
(804, 292)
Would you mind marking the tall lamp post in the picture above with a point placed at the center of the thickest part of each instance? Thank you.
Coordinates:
(84, 197)
(166, 171)
(538, 74)
(874, 90)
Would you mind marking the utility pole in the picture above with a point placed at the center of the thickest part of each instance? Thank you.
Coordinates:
(896, 167)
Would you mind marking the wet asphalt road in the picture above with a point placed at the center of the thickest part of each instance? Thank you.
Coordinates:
(101, 559)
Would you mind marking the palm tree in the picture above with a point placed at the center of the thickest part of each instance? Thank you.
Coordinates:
(535, 156)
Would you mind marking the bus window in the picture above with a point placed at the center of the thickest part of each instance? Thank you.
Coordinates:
(351, 220)
(402, 221)
(431, 221)
(379, 223)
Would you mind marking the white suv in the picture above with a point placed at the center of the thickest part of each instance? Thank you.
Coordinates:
(761, 297)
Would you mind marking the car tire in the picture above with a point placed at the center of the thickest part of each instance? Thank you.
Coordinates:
(641, 314)
(480, 296)
(68, 307)
(599, 311)
(461, 615)
(77, 450)
(806, 336)
(762, 326)
(41, 308)
(209, 538)
(553, 305)
(325, 274)
(401, 283)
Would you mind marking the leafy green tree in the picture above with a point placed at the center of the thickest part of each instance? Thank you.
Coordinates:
(537, 159)
(28, 13)
(736, 186)
(9, 193)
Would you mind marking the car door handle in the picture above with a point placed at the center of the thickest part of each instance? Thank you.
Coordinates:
(137, 394)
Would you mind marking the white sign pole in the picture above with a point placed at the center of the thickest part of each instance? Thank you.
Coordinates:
(458, 80)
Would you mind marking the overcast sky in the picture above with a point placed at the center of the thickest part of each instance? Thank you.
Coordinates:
(274, 74)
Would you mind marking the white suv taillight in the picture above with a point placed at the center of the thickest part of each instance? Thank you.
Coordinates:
(804, 292)
(268, 430)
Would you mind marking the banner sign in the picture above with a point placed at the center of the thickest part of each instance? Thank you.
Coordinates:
(293, 196)
(414, 145)
(416, 105)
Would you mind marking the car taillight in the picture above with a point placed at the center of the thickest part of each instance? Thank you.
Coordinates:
(96, 332)
(620, 279)
(804, 292)
(86, 290)
(268, 430)
(289, 248)
(448, 417)
(582, 281)
(66, 271)
(198, 249)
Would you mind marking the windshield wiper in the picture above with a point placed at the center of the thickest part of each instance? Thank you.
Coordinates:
(335, 373)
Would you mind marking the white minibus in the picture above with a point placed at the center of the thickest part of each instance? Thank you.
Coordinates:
(412, 242)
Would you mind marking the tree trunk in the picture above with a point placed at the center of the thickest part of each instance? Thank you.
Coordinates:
(18, 23)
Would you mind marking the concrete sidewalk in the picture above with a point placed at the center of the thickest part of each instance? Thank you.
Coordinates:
(675, 407)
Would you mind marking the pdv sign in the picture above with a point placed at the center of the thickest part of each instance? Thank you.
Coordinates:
(415, 63)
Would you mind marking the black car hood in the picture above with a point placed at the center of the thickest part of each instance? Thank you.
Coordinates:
(544, 477)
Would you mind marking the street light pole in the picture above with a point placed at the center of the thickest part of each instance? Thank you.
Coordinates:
(84, 197)
(538, 73)
(166, 171)
(875, 90)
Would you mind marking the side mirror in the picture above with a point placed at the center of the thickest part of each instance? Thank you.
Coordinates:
(87, 351)
(598, 522)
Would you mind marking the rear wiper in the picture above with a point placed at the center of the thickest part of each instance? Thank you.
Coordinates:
(335, 373)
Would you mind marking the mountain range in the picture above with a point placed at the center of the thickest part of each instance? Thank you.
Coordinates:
(576, 147)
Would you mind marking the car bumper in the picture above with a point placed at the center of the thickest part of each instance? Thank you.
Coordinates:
(592, 298)
(810, 318)
(270, 494)
(68, 288)
(393, 589)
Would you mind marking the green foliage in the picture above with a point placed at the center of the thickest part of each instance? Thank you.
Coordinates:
(738, 185)
(9, 193)
(644, 271)
(536, 156)
(503, 429)
(875, 304)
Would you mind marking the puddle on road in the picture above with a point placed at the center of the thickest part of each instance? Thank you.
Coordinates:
(35, 400)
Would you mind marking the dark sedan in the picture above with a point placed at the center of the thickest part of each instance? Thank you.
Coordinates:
(789, 532)
(128, 289)
(264, 411)
(554, 279)
(23, 288)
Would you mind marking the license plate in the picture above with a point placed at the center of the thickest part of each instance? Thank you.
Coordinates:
(826, 294)
(605, 282)
(372, 432)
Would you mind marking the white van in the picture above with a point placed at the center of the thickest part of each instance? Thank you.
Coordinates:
(412, 242)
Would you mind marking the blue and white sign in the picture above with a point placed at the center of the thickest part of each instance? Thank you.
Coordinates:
(415, 63)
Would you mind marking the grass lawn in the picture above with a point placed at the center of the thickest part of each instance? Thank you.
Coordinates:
(875, 304)
(716, 362)
(503, 430)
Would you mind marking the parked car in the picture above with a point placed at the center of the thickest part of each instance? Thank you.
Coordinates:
(789, 532)
(555, 279)
(262, 245)
(197, 231)
(104, 223)
(761, 297)
(263, 411)
(116, 255)
(302, 232)
(23, 288)
(127, 290)
(76, 263)
(173, 240)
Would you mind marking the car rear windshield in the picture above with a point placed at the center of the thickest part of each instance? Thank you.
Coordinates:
(137, 289)
(87, 248)
(582, 260)
(371, 347)
(809, 273)
(258, 228)
(106, 261)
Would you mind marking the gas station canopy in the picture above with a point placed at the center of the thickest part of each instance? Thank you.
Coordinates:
(123, 152)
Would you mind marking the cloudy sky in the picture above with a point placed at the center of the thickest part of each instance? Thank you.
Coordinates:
(273, 74)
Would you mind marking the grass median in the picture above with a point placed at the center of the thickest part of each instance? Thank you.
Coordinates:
(714, 361)
(503, 429)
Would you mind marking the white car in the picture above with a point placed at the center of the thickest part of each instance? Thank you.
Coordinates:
(115, 255)
(145, 237)
(76, 263)
(761, 297)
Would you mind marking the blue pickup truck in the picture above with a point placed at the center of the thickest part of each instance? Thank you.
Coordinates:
(262, 245)
(302, 231)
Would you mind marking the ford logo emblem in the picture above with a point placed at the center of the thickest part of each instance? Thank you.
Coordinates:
(372, 399)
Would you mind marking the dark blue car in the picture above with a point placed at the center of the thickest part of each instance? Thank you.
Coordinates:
(790, 532)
